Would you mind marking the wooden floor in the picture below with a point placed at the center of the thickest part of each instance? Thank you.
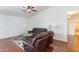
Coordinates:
(56, 46)
(59, 46)
(9, 46)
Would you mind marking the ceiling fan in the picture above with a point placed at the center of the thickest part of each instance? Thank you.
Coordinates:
(29, 9)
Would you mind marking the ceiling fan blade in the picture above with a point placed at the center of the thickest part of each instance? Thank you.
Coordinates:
(34, 10)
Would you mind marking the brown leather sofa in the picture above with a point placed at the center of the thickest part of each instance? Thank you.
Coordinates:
(41, 41)
(36, 31)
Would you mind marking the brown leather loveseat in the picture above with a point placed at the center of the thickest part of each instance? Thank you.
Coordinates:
(36, 31)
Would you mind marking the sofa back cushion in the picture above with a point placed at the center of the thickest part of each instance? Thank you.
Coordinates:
(38, 30)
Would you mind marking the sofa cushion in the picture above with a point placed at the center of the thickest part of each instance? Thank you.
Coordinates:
(39, 36)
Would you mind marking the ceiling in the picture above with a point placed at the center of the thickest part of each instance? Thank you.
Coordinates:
(17, 11)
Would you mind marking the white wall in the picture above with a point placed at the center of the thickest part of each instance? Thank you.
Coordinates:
(55, 16)
(11, 25)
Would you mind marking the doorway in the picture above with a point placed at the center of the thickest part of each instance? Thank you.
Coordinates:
(73, 30)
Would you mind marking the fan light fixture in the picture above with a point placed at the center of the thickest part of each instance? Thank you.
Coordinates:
(29, 9)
